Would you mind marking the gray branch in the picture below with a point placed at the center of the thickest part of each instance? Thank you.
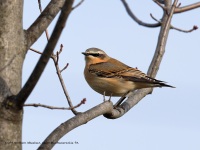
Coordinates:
(43, 21)
(39, 68)
(187, 8)
(75, 122)
(131, 14)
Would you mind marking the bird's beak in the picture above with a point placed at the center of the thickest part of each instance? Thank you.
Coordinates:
(84, 53)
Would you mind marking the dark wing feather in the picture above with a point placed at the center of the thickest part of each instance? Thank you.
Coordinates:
(108, 69)
(118, 69)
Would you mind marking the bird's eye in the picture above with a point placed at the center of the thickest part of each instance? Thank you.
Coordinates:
(96, 55)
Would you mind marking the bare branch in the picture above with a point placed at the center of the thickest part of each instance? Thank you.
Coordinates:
(39, 68)
(40, 8)
(187, 8)
(64, 67)
(175, 28)
(155, 18)
(153, 68)
(53, 107)
(159, 4)
(78, 4)
(75, 122)
(55, 59)
(185, 31)
(61, 48)
(36, 51)
(130, 13)
(43, 21)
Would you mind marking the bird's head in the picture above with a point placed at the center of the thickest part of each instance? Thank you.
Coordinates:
(95, 55)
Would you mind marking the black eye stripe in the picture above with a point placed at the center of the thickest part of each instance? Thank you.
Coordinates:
(96, 55)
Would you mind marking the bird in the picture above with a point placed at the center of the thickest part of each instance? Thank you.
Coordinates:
(110, 77)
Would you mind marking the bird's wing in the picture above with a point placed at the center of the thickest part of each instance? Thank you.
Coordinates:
(119, 70)
(108, 69)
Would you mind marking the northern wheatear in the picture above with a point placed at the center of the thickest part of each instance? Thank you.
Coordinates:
(111, 77)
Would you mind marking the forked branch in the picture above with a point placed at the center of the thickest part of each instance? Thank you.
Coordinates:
(131, 14)
(39, 68)
(175, 28)
(187, 8)
(43, 21)
(54, 107)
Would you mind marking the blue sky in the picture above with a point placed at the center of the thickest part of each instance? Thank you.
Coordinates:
(166, 119)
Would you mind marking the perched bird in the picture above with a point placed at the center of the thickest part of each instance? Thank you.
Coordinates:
(111, 77)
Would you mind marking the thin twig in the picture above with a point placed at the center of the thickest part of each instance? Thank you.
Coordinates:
(175, 28)
(64, 67)
(78, 4)
(40, 8)
(131, 14)
(61, 48)
(155, 18)
(54, 107)
(187, 8)
(185, 31)
(42, 62)
(159, 4)
(55, 58)
(36, 51)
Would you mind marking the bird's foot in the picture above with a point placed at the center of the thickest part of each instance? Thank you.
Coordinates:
(104, 97)
(121, 100)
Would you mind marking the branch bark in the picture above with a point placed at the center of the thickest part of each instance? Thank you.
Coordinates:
(187, 8)
(33, 79)
(43, 21)
(131, 14)
(75, 122)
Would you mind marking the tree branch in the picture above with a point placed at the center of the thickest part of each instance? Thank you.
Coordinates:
(40, 8)
(175, 28)
(75, 122)
(185, 31)
(153, 68)
(78, 4)
(187, 8)
(131, 14)
(39, 68)
(55, 60)
(43, 21)
(53, 107)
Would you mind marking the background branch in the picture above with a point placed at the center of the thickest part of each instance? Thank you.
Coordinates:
(40, 8)
(55, 58)
(34, 77)
(74, 122)
(187, 8)
(53, 107)
(175, 28)
(43, 21)
(131, 14)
